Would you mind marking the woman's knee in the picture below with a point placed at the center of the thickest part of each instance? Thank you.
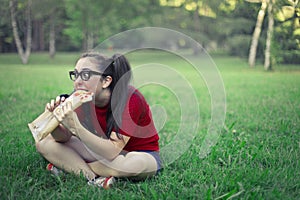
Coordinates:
(43, 146)
(139, 163)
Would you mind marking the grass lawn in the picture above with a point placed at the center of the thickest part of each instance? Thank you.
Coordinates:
(256, 157)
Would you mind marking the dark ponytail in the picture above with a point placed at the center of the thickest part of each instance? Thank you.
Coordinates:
(120, 71)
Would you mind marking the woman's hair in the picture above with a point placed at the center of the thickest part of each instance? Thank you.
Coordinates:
(119, 69)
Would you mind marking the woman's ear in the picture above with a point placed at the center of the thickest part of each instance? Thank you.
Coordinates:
(106, 82)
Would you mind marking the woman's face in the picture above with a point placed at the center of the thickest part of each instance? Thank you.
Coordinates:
(95, 83)
(85, 64)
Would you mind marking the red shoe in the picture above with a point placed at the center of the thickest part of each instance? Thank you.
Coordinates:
(54, 170)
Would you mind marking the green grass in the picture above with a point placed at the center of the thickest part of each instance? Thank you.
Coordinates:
(256, 157)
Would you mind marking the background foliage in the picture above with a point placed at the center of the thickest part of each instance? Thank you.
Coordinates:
(224, 26)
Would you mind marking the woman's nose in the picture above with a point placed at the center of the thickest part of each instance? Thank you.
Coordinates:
(78, 80)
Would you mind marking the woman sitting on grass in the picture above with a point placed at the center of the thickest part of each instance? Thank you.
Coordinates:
(122, 140)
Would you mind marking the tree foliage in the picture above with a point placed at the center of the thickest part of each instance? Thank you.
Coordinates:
(71, 25)
(287, 31)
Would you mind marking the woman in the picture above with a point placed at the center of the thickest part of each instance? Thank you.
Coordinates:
(112, 137)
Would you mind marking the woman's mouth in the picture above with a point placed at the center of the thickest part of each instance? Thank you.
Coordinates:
(82, 89)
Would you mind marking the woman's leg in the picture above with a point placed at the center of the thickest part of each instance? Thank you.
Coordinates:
(69, 156)
(73, 155)
(138, 165)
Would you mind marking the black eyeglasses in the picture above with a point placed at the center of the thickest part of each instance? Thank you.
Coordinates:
(85, 75)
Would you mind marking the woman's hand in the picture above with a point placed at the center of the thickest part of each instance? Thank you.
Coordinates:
(67, 117)
(54, 103)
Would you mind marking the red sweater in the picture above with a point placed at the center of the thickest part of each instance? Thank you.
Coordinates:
(137, 123)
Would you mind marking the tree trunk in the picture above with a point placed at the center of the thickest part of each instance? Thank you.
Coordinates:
(52, 49)
(41, 36)
(23, 55)
(197, 19)
(196, 27)
(267, 64)
(35, 36)
(28, 36)
(37, 43)
(90, 40)
(256, 33)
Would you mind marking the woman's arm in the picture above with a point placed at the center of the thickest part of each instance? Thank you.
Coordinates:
(107, 148)
(60, 133)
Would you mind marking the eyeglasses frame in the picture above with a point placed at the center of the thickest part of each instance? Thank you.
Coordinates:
(74, 72)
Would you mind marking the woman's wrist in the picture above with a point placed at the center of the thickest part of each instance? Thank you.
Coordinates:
(78, 130)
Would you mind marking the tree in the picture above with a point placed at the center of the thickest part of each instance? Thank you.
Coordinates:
(256, 33)
(286, 42)
(85, 19)
(94, 21)
(24, 55)
(199, 20)
(287, 31)
(229, 25)
(49, 14)
(52, 49)
(267, 64)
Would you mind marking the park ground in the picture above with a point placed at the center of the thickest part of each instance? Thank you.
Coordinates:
(256, 155)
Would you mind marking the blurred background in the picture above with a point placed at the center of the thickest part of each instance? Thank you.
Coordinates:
(265, 30)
